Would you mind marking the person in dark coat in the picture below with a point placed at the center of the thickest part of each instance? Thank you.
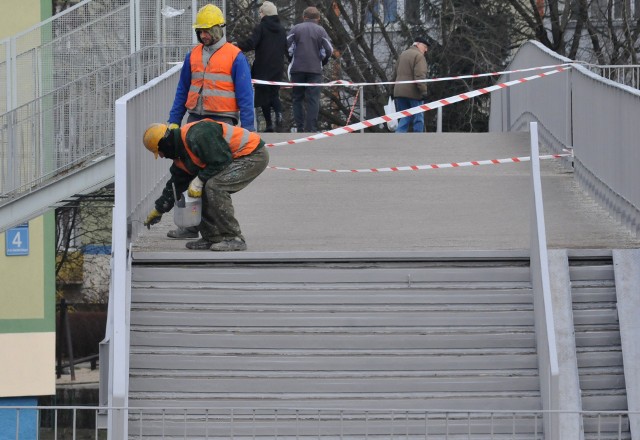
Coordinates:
(269, 40)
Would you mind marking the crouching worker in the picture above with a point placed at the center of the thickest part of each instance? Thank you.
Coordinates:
(211, 160)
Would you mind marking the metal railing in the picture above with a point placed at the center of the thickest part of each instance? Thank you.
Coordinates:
(138, 181)
(543, 307)
(82, 39)
(629, 74)
(72, 124)
(61, 77)
(80, 422)
(595, 116)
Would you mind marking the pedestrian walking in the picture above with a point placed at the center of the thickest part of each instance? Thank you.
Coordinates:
(411, 66)
(309, 50)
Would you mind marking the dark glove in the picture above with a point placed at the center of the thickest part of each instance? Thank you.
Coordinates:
(153, 218)
(424, 96)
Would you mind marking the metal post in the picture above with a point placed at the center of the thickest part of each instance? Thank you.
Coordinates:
(439, 123)
(194, 12)
(67, 332)
(362, 115)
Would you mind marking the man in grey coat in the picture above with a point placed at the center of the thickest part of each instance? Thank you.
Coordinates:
(411, 66)
(309, 49)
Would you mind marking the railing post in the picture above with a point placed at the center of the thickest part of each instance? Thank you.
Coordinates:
(362, 115)
(543, 313)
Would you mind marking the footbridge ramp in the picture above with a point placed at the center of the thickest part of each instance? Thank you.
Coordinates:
(372, 303)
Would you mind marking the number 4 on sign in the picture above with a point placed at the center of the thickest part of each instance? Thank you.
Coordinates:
(17, 241)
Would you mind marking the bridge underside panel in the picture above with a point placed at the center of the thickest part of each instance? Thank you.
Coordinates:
(83, 181)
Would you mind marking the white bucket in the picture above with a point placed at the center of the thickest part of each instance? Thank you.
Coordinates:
(187, 211)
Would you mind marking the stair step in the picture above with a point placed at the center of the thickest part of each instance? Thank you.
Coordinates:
(210, 384)
(214, 295)
(304, 319)
(498, 401)
(198, 276)
(323, 338)
(604, 400)
(334, 361)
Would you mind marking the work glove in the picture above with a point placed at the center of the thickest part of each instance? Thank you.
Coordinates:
(173, 125)
(195, 188)
(153, 218)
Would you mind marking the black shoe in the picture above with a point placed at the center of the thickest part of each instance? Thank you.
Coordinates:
(183, 233)
(269, 128)
(199, 245)
(229, 245)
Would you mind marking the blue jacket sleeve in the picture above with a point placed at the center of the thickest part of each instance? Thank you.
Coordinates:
(327, 49)
(184, 83)
(241, 74)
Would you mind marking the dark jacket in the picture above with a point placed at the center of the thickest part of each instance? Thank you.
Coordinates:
(309, 47)
(411, 65)
(269, 40)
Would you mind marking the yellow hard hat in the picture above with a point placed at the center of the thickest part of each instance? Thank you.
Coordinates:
(208, 16)
(152, 136)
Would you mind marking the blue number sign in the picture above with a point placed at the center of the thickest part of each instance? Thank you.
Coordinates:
(17, 240)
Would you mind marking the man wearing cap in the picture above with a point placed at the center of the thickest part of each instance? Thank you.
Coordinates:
(215, 83)
(269, 40)
(411, 66)
(211, 160)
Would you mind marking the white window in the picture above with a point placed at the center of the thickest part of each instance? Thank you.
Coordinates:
(389, 9)
(619, 9)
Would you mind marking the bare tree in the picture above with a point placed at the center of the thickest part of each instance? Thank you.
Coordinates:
(83, 239)
(597, 31)
(467, 36)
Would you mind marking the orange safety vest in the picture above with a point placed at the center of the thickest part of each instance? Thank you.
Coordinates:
(213, 82)
(241, 143)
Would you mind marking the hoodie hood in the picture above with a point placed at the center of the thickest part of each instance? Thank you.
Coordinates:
(271, 23)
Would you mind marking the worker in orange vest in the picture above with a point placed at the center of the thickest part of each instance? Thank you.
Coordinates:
(211, 160)
(215, 83)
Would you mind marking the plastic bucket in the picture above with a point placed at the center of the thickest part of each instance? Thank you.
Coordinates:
(187, 211)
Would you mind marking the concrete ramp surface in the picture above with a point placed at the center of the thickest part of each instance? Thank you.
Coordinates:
(461, 208)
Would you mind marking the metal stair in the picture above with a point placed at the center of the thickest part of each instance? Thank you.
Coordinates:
(418, 337)
(599, 352)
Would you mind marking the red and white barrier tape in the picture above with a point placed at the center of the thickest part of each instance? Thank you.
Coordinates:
(415, 110)
(344, 83)
(426, 167)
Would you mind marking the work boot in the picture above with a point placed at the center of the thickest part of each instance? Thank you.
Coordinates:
(183, 233)
(199, 245)
(278, 122)
(229, 244)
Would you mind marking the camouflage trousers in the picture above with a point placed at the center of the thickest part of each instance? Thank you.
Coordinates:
(218, 217)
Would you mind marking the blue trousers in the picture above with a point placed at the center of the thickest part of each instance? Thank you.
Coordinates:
(417, 120)
(306, 101)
